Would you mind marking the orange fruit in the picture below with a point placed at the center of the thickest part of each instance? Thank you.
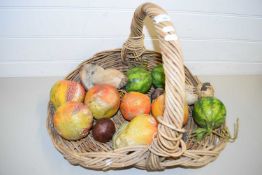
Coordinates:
(133, 104)
(158, 107)
(186, 114)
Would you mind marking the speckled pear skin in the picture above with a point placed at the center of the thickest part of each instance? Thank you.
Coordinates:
(73, 120)
(139, 131)
(66, 91)
(103, 101)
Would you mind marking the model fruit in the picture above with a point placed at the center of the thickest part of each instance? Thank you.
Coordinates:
(205, 90)
(139, 79)
(103, 130)
(73, 120)
(191, 94)
(110, 76)
(86, 74)
(158, 107)
(133, 104)
(139, 131)
(209, 113)
(156, 93)
(65, 91)
(186, 114)
(201, 90)
(103, 100)
(158, 76)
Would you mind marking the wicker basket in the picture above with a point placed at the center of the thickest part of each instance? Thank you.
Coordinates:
(173, 145)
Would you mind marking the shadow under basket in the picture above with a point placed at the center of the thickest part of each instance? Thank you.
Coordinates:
(173, 145)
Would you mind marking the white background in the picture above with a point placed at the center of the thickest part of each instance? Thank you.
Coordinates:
(50, 37)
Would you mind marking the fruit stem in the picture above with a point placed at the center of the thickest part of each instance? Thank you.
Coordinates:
(226, 134)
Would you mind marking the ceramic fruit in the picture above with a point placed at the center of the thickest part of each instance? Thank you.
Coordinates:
(209, 113)
(103, 100)
(73, 120)
(92, 74)
(205, 90)
(133, 104)
(65, 91)
(110, 76)
(156, 93)
(186, 114)
(139, 79)
(87, 73)
(158, 76)
(158, 107)
(191, 94)
(139, 131)
(103, 130)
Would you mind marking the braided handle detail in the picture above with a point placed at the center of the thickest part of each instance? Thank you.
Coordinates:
(168, 142)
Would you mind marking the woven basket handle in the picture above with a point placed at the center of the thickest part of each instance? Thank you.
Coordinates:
(169, 138)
